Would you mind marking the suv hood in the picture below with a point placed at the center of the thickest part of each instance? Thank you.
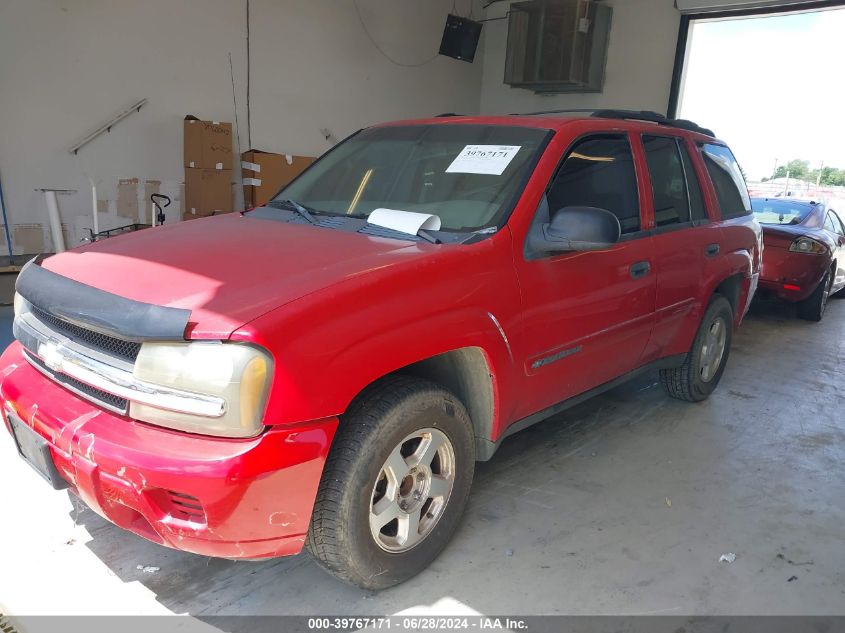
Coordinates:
(228, 270)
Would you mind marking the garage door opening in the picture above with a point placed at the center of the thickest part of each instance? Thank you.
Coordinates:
(770, 85)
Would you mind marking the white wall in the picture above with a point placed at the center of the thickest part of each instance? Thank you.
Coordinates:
(639, 63)
(67, 65)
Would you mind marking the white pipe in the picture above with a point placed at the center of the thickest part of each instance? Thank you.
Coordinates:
(94, 207)
(153, 212)
(108, 126)
(55, 221)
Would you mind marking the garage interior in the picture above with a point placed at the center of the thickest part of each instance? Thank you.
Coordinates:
(621, 505)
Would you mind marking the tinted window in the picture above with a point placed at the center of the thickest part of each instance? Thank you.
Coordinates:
(780, 211)
(668, 186)
(599, 172)
(468, 175)
(728, 181)
(696, 200)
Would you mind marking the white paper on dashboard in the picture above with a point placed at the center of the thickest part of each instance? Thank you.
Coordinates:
(483, 159)
(404, 221)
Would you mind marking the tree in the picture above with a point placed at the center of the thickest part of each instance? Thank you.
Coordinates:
(797, 169)
(800, 170)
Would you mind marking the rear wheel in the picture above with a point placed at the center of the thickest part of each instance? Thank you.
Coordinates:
(395, 484)
(812, 308)
(702, 369)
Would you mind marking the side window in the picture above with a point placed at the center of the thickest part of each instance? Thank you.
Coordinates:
(696, 200)
(840, 226)
(828, 223)
(599, 172)
(728, 181)
(668, 185)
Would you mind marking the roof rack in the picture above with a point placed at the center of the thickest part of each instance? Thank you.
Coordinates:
(447, 114)
(652, 117)
(636, 115)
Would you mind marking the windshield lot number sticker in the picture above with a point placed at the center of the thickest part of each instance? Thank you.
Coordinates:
(483, 159)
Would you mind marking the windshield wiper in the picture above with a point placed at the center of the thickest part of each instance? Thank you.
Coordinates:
(293, 205)
(428, 237)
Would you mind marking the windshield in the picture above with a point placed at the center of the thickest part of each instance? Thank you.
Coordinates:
(768, 211)
(467, 175)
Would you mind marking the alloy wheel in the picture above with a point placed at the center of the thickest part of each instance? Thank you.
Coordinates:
(412, 490)
(712, 349)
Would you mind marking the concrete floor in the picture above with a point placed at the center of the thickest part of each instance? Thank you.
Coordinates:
(620, 506)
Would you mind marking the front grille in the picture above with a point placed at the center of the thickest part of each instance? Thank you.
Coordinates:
(113, 402)
(127, 350)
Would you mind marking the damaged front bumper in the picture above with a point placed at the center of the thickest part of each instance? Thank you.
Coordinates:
(229, 498)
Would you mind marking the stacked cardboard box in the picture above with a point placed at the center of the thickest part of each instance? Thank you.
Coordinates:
(208, 168)
(264, 173)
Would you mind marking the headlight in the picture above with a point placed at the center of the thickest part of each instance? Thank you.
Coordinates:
(238, 373)
(807, 245)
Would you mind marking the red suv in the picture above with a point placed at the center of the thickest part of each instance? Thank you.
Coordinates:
(325, 371)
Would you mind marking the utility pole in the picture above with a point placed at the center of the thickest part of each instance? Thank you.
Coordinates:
(775, 170)
(819, 177)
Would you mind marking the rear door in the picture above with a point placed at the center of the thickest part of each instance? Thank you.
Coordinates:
(686, 242)
(740, 233)
(587, 315)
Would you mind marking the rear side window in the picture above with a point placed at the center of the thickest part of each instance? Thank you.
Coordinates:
(833, 224)
(599, 172)
(728, 181)
(837, 221)
(668, 185)
(696, 201)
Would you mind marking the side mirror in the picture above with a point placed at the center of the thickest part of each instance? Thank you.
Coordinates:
(578, 229)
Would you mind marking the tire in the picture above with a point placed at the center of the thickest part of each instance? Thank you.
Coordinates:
(401, 416)
(702, 369)
(812, 308)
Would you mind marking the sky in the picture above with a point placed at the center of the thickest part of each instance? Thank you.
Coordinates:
(771, 87)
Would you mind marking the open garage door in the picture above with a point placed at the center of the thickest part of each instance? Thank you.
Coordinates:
(768, 83)
(707, 6)
(696, 11)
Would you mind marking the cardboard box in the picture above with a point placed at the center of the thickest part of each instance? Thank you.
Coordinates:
(264, 173)
(208, 191)
(208, 144)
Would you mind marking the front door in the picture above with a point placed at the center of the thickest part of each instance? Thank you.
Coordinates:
(587, 315)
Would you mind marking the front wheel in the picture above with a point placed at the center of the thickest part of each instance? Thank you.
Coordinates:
(702, 369)
(395, 483)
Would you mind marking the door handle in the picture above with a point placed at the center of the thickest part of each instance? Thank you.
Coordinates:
(639, 269)
(712, 250)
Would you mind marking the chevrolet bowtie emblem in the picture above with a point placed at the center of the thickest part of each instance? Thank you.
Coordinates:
(51, 355)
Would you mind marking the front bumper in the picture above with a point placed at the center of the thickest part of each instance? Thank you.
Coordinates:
(220, 497)
(789, 275)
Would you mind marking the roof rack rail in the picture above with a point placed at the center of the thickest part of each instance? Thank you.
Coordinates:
(652, 117)
(567, 111)
(637, 115)
(437, 116)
